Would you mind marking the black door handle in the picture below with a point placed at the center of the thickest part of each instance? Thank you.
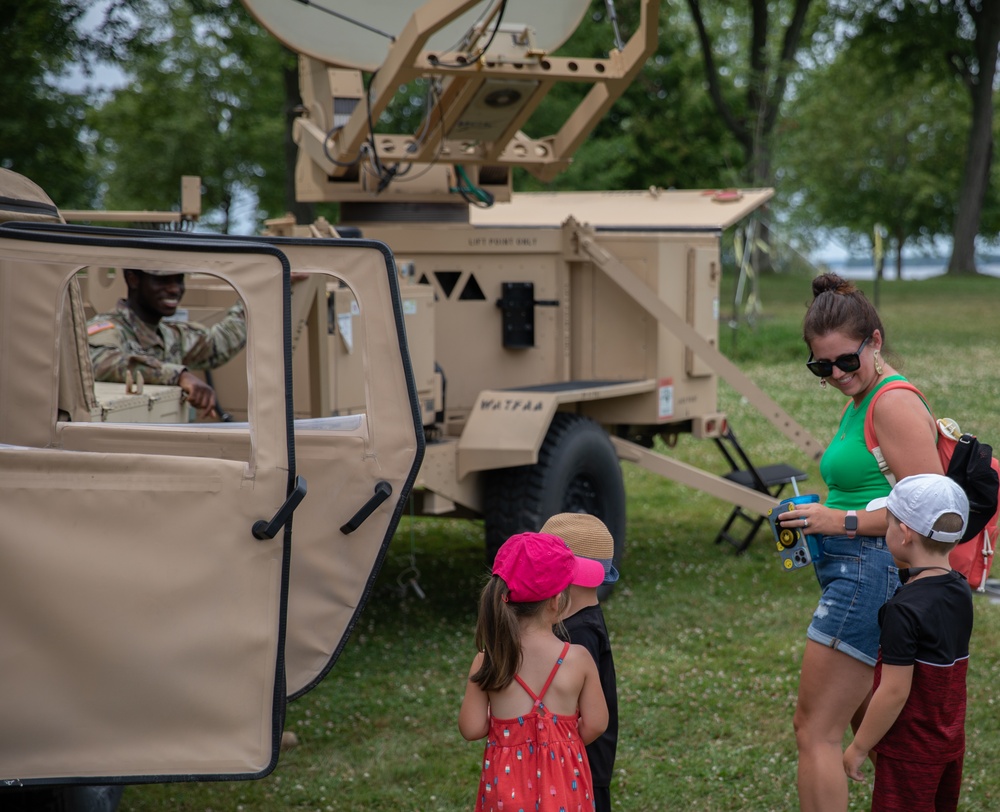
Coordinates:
(383, 490)
(268, 530)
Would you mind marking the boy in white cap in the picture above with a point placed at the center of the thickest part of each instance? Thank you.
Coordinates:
(916, 718)
(588, 537)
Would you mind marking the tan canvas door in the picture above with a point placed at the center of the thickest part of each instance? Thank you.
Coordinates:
(140, 616)
(360, 466)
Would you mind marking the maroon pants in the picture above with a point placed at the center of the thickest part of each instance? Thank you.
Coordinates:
(906, 786)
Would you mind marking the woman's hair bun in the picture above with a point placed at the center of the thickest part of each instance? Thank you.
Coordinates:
(833, 283)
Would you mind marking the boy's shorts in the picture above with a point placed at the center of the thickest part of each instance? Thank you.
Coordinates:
(902, 785)
(857, 576)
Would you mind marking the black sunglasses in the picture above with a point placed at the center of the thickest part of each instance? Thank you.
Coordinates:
(851, 362)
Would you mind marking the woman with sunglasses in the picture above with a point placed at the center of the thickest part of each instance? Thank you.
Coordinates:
(846, 338)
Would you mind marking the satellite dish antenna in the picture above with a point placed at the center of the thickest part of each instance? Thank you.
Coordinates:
(358, 33)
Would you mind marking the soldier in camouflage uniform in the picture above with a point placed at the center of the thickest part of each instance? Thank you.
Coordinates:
(134, 338)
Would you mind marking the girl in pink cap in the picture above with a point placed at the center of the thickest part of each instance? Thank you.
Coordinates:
(537, 700)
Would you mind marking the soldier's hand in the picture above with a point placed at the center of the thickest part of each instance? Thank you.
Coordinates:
(199, 394)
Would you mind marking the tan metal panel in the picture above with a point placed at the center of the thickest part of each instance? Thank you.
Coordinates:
(703, 276)
(655, 208)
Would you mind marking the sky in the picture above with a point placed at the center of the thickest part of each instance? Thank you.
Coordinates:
(105, 76)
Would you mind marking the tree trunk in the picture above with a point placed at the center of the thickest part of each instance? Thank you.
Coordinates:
(979, 151)
(765, 92)
(760, 167)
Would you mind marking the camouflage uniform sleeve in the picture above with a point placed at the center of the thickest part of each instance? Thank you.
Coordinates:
(211, 347)
(112, 356)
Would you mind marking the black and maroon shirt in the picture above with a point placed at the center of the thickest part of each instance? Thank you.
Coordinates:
(927, 624)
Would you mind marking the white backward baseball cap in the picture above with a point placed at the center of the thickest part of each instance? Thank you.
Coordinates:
(918, 501)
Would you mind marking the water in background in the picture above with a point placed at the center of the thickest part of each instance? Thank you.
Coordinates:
(913, 267)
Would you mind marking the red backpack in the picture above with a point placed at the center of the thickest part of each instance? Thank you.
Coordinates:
(972, 465)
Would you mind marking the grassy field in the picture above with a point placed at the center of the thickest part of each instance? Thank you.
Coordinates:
(707, 644)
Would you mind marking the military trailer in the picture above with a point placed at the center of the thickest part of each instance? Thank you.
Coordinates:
(552, 334)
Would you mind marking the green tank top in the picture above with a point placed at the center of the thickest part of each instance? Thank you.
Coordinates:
(848, 468)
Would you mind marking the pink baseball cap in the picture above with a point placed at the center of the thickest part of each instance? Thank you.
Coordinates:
(538, 566)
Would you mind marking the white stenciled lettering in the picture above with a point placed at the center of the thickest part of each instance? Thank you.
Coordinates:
(503, 242)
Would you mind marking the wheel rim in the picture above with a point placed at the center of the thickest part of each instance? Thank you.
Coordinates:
(582, 496)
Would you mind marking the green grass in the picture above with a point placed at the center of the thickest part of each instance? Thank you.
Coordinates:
(707, 644)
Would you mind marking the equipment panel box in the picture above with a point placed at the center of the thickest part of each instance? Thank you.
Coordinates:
(118, 406)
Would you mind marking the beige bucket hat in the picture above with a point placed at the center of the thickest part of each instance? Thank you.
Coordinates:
(587, 536)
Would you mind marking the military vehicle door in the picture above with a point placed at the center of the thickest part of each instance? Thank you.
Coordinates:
(146, 593)
(333, 564)
(356, 297)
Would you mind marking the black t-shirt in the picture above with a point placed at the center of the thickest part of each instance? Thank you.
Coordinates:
(927, 624)
(586, 628)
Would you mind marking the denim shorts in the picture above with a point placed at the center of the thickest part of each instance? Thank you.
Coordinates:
(857, 576)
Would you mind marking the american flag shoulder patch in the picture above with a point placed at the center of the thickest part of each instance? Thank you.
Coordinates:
(99, 327)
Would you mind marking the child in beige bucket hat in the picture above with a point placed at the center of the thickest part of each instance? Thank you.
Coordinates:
(588, 537)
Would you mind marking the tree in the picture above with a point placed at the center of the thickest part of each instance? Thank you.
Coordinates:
(205, 98)
(41, 124)
(978, 74)
(663, 131)
(960, 38)
(862, 147)
(769, 65)
(765, 81)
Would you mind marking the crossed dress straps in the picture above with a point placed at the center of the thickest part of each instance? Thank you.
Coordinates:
(552, 674)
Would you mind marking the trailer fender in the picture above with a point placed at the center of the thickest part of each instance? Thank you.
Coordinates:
(505, 429)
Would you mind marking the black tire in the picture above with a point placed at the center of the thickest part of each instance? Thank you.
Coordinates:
(577, 472)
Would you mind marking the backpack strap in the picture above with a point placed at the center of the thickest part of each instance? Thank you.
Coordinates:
(870, 440)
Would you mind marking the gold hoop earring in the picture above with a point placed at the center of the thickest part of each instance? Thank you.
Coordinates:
(822, 382)
(878, 363)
